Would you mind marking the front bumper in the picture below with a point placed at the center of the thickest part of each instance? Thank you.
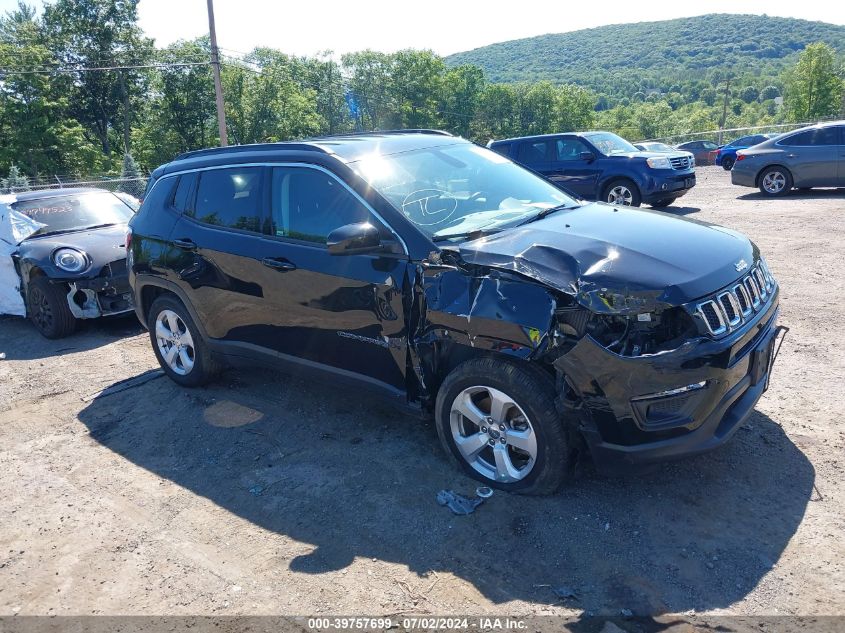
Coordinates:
(624, 423)
(663, 187)
(105, 295)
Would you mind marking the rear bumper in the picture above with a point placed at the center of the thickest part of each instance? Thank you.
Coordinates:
(636, 411)
(663, 187)
(742, 176)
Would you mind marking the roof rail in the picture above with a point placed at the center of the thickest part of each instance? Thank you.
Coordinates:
(371, 132)
(210, 151)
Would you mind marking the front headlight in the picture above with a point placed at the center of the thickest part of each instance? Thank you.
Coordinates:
(659, 162)
(70, 260)
(692, 161)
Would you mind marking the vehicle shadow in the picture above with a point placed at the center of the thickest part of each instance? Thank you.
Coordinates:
(19, 339)
(356, 479)
(796, 194)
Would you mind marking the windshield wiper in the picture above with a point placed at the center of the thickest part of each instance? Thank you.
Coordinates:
(472, 235)
(545, 212)
(74, 230)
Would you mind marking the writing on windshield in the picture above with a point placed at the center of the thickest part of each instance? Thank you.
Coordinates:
(74, 212)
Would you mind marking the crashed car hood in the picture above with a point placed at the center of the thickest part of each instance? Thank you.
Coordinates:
(103, 246)
(623, 259)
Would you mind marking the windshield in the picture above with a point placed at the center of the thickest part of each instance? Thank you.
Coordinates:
(609, 143)
(75, 212)
(457, 189)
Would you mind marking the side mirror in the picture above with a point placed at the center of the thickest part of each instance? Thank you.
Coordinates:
(354, 239)
(587, 156)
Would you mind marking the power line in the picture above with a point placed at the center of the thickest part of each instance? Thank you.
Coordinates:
(48, 71)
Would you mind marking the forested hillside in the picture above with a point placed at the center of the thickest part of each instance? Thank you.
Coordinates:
(671, 56)
(84, 91)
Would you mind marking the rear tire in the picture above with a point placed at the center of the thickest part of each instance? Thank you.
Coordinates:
(621, 192)
(775, 181)
(47, 307)
(510, 433)
(178, 344)
(728, 163)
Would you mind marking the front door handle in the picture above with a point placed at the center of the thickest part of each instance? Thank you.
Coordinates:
(185, 244)
(278, 264)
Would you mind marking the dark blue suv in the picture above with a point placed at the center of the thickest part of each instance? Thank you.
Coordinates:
(604, 166)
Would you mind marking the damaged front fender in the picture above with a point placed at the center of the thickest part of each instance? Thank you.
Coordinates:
(461, 314)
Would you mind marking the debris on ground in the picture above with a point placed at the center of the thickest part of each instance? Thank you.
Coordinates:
(457, 503)
(123, 385)
(562, 592)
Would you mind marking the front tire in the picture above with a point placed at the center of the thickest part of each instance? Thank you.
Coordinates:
(498, 421)
(48, 309)
(728, 163)
(178, 344)
(775, 181)
(621, 192)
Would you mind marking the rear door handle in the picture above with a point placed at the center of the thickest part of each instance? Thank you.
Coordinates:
(278, 264)
(185, 244)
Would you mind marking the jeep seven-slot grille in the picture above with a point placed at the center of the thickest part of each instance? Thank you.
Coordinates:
(732, 308)
(680, 162)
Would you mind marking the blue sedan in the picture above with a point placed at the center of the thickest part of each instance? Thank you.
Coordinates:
(726, 154)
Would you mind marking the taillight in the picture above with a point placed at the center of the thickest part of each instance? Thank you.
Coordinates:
(128, 239)
(740, 156)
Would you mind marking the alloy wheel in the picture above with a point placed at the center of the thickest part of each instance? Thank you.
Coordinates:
(175, 343)
(493, 434)
(620, 194)
(774, 182)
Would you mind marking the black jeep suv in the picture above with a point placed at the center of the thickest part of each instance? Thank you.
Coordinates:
(447, 277)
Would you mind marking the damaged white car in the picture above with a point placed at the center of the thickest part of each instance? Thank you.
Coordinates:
(63, 257)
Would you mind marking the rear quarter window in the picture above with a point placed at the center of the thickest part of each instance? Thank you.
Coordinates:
(502, 148)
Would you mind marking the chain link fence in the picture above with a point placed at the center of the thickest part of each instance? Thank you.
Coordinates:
(726, 134)
(135, 187)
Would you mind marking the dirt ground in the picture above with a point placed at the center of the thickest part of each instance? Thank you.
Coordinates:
(265, 494)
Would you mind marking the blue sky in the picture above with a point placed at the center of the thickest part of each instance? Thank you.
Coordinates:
(445, 26)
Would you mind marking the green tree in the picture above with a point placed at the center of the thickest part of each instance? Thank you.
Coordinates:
(462, 88)
(96, 34)
(749, 94)
(769, 92)
(370, 84)
(15, 181)
(813, 88)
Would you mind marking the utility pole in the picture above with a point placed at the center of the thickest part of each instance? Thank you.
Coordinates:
(724, 107)
(215, 69)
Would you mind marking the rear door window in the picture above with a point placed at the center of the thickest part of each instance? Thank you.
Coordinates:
(533, 152)
(807, 138)
(230, 198)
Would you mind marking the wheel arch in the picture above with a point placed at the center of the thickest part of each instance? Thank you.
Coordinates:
(606, 180)
(148, 290)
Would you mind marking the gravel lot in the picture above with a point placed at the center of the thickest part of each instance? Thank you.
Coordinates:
(264, 494)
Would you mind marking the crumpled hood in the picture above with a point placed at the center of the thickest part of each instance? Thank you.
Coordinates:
(622, 260)
(103, 246)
